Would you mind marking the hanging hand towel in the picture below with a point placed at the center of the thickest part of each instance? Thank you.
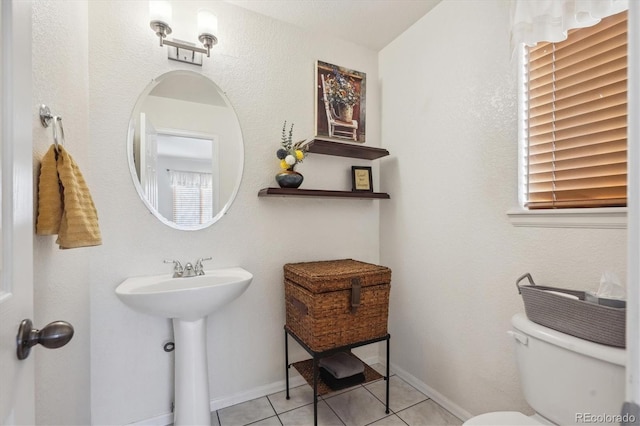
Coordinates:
(78, 218)
(79, 223)
(49, 196)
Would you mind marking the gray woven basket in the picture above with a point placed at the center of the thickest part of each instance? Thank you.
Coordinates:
(586, 320)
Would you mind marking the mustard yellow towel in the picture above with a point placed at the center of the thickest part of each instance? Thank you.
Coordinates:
(79, 223)
(49, 196)
(77, 219)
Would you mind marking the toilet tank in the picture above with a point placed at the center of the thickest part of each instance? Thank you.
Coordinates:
(565, 379)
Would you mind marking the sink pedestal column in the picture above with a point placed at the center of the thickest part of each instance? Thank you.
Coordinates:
(191, 374)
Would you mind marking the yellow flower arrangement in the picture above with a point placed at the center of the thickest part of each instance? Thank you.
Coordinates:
(291, 153)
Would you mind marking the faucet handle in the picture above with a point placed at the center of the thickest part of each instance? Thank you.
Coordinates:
(177, 267)
(199, 267)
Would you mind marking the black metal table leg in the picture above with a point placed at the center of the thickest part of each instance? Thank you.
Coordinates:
(315, 391)
(315, 379)
(387, 378)
(286, 359)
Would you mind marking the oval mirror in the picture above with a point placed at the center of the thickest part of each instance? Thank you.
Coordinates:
(185, 150)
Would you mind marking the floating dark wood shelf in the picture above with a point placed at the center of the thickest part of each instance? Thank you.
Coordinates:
(289, 192)
(340, 149)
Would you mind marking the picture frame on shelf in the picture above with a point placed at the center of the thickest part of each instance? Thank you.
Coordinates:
(340, 103)
(361, 179)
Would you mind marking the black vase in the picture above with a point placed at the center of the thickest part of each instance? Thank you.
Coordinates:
(289, 179)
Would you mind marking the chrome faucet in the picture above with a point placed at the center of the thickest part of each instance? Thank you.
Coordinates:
(199, 267)
(188, 270)
(178, 270)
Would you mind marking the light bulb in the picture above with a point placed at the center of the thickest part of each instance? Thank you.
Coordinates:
(207, 22)
(160, 10)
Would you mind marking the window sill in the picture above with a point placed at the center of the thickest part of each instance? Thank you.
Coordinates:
(596, 218)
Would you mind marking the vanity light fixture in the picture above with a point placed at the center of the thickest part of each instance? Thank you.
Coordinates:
(160, 18)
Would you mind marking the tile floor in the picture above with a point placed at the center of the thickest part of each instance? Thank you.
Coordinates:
(357, 406)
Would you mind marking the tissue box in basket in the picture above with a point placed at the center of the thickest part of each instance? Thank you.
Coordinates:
(577, 317)
(606, 301)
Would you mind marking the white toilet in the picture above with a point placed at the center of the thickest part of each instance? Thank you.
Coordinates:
(566, 380)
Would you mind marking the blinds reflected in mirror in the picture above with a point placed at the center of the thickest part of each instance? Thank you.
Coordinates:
(192, 197)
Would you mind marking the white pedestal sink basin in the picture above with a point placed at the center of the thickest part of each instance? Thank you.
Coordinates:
(187, 301)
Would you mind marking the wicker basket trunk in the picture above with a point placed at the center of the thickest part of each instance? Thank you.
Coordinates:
(336, 303)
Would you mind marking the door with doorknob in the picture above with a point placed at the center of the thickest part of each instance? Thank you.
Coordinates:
(16, 232)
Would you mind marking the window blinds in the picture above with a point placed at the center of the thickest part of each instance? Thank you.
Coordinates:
(192, 197)
(577, 118)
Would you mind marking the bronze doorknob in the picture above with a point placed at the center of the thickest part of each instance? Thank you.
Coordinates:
(53, 335)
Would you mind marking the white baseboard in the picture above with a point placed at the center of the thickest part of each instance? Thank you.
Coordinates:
(440, 399)
(296, 380)
(162, 420)
(257, 392)
(436, 396)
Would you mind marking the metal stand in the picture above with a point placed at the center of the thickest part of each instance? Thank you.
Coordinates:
(316, 357)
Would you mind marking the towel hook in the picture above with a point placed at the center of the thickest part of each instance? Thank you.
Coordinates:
(45, 119)
(58, 120)
(45, 115)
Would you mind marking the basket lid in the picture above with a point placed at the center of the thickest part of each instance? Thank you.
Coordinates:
(330, 268)
(328, 275)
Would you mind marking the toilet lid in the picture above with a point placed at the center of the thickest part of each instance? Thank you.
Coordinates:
(499, 418)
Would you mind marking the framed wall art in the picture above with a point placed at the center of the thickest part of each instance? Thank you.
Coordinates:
(361, 179)
(340, 103)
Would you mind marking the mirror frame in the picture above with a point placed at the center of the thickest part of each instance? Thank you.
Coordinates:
(132, 166)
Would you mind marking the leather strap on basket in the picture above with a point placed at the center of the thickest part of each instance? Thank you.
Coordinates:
(300, 307)
(355, 294)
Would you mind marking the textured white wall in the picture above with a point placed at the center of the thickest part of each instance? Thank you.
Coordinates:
(61, 277)
(449, 120)
(266, 69)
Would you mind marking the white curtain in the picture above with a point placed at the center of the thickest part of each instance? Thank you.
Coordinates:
(550, 20)
(190, 179)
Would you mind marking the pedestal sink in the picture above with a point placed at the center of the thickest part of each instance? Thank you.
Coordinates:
(187, 301)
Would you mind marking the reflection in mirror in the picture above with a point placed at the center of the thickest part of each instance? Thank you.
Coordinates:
(185, 150)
